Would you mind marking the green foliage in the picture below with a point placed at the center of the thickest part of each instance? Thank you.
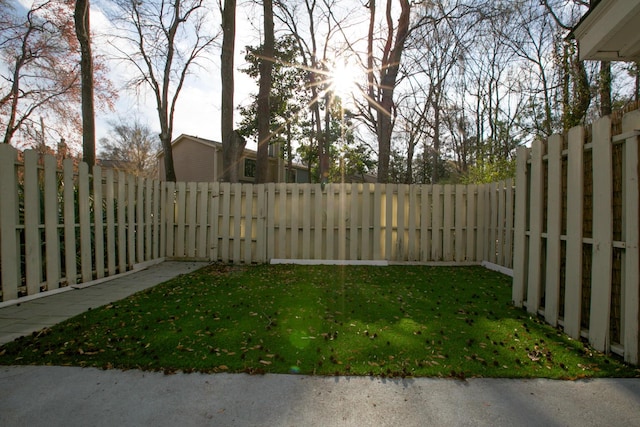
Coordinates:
(488, 172)
(351, 320)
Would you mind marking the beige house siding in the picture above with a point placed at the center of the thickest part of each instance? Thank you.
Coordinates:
(200, 160)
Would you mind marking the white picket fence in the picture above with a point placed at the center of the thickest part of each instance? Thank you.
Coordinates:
(576, 259)
(64, 228)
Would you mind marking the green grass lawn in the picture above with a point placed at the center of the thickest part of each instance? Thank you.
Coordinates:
(326, 320)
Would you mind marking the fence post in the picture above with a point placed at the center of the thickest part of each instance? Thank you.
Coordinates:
(9, 246)
(575, 202)
(602, 236)
(631, 280)
(554, 228)
(520, 225)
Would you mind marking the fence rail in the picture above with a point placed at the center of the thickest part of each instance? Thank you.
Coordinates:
(63, 227)
(576, 256)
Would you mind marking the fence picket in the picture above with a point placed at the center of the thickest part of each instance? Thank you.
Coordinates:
(248, 224)
(306, 221)
(69, 222)
(202, 219)
(554, 228)
(294, 212)
(181, 217)
(330, 212)
(261, 210)
(459, 239)
(110, 206)
(319, 219)
(191, 216)
(447, 224)
(281, 192)
(399, 212)
(157, 225)
(270, 213)
(631, 288)
(224, 229)
(237, 221)
(169, 217)
(365, 248)
(508, 238)
(131, 221)
(602, 236)
(520, 226)
(354, 224)
(84, 217)
(51, 220)
(413, 238)
(481, 226)
(147, 218)
(470, 237)
(9, 243)
(535, 228)
(33, 254)
(98, 220)
(425, 223)
(436, 230)
(214, 220)
(378, 237)
(140, 219)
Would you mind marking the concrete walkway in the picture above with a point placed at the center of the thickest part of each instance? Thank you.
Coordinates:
(26, 317)
(69, 396)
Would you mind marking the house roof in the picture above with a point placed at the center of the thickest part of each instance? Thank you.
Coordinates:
(609, 31)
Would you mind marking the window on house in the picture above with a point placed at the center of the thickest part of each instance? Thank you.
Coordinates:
(249, 168)
(291, 175)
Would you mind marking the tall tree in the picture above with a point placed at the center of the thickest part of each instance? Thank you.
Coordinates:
(163, 39)
(40, 76)
(381, 90)
(232, 142)
(264, 110)
(83, 32)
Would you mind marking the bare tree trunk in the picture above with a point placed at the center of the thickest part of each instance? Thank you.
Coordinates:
(389, 67)
(264, 94)
(604, 86)
(230, 157)
(83, 32)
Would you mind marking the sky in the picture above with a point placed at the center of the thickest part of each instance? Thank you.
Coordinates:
(198, 107)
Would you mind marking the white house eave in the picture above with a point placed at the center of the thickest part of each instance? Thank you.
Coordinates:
(610, 31)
